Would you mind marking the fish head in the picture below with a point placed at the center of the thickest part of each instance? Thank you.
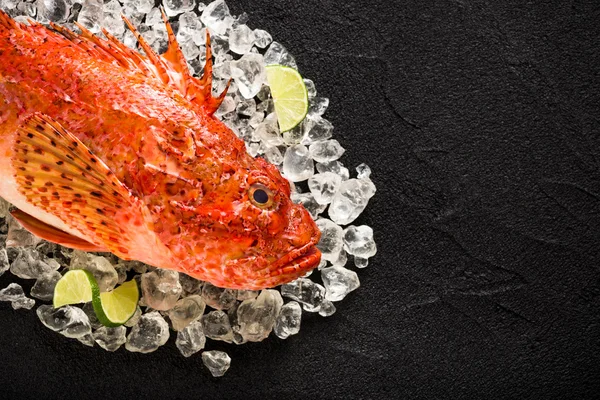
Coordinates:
(253, 235)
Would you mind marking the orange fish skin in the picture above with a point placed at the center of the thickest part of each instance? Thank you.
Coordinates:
(187, 183)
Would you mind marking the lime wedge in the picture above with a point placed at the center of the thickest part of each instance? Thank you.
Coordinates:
(75, 287)
(289, 95)
(116, 307)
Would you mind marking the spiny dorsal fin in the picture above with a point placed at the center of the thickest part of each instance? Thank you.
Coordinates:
(177, 65)
(170, 69)
(57, 173)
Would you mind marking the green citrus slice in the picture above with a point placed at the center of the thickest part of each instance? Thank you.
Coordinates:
(116, 307)
(289, 95)
(74, 287)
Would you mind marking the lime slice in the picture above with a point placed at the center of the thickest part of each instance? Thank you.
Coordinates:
(289, 95)
(75, 287)
(116, 307)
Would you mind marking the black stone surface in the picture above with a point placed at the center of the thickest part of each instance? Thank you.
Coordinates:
(480, 120)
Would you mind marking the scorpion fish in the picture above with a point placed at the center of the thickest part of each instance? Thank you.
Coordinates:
(105, 149)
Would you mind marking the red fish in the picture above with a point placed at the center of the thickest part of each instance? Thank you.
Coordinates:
(105, 149)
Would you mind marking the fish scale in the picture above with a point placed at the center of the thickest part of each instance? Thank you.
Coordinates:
(103, 148)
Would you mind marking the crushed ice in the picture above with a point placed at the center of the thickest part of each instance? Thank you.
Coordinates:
(195, 310)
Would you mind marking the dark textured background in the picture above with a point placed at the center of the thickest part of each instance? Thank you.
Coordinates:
(480, 121)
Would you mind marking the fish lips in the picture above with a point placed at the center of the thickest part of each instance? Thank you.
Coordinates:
(295, 263)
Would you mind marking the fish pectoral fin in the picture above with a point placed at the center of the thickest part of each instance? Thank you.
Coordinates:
(58, 174)
(52, 234)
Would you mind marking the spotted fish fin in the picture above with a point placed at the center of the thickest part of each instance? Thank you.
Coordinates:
(58, 174)
(52, 234)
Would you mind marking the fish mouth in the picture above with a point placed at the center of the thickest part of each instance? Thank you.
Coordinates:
(295, 263)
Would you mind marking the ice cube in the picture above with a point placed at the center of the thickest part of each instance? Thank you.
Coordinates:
(175, 7)
(88, 309)
(190, 285)
(294, 136)
(297, 164)
(310, 87)
(43, 288)
(341, 260)
(262, 38)
(309, 202)
(161, 289)
(241, 39)
(305, 291)
(324, 186)
(19, 236)
(327, 309)
(190, 50)
(288, 320)
(273, 155)
(227, 106)
(277, 54)
(256, 317)
(217, 18)
(252, 148)
(216, 326)
(91, 15)
(29, 265)
(69, 321)
(4, 207)
(350, 200)
(338, 282)
(217, 362)
(358, 241)
(15, 294)
(105, 273)
(318, 105)
(364, 172)
(218, 298)
(186, 310)
(249, 74)
(189, 27)
(4, 264)
(331, 242)
(53, 10)
(361, 262)
(268, 131)
(222, 70)
(112, 18)
(246, 294)
(110, 339)
(142, 6)
(151, 332)
(326, 151)
(135, 318)
(154, 18)
(336, 167)
(191, 339)
(245, 107)
(316, 128)
(8, 4)
(87, 340)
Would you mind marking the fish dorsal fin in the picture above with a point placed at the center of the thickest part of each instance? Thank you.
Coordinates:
(52, 234)
(57, 173)
(171, 68)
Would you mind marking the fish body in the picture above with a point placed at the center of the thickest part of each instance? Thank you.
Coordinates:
(104, 149)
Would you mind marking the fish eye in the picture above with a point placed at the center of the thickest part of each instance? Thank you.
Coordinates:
(260, 195)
